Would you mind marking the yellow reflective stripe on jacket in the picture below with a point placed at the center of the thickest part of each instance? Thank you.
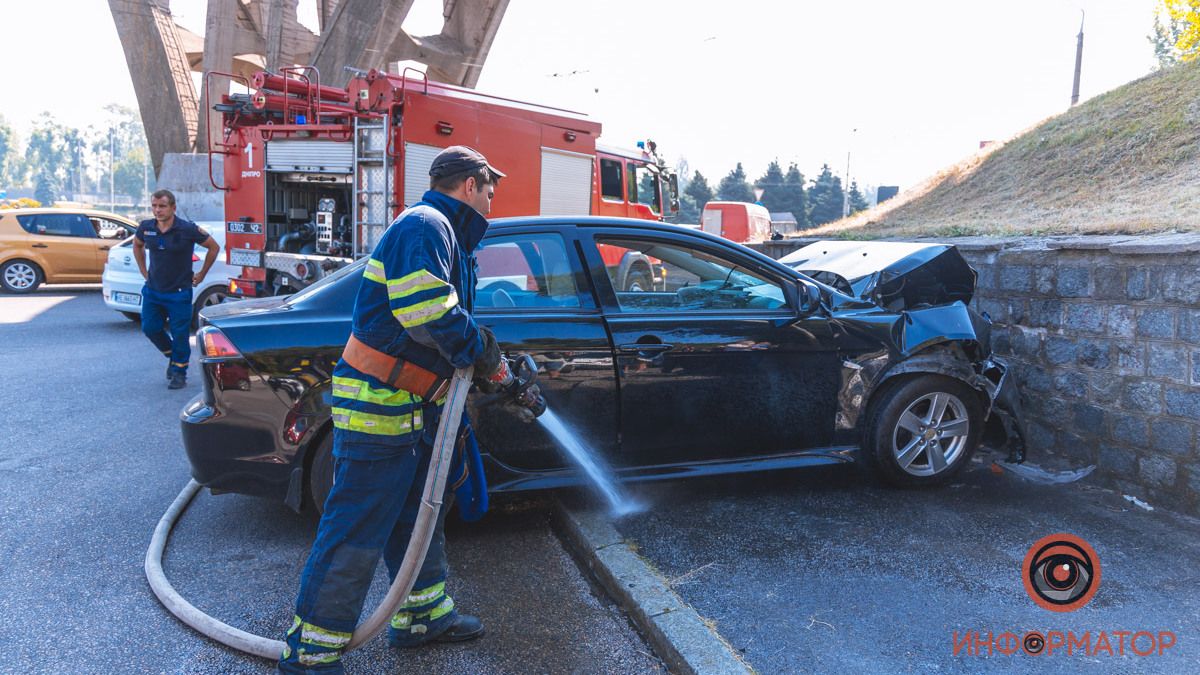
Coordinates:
(381, 425)
(315, 635)
(360, 390)
(424, 312)
(374, 271)
(421, 280)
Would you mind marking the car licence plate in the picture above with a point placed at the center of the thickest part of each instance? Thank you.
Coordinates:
(127, 298)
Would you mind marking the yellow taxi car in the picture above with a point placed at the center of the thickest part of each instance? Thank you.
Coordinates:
(56, 246)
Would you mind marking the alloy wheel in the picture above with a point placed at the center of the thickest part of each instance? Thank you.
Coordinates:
(20, 276)
(213, 299)
(931, 434)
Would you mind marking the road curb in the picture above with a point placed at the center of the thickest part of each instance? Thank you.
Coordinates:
(676, 632)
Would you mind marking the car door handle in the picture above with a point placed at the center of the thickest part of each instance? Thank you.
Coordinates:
(646, 351)
(38, 246)
(104, 248)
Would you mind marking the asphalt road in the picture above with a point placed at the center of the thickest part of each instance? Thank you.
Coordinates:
(824, 570)
(90, 457)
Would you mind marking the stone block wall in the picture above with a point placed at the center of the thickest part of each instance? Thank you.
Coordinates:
(1104, 336)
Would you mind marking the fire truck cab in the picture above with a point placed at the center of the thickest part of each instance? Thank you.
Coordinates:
(314, 175)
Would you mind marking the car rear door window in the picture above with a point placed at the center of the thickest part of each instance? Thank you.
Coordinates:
(656, 276)
(58, 225)
(527, 270)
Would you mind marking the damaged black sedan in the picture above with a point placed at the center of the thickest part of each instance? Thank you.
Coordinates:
(671, 352)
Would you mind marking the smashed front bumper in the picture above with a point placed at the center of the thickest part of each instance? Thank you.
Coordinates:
(996, 379)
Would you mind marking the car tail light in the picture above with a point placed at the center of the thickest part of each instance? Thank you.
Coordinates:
(294, 427)
(195, 258)
(214, 343)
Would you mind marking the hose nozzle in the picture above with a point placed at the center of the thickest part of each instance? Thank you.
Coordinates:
(516, 382)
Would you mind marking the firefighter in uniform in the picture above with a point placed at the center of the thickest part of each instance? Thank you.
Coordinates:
(167, 295)
(412, 327)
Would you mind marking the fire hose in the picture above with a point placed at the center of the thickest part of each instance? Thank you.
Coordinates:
(418, 545)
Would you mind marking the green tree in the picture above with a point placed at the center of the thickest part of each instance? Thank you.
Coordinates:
(825, 198)
(699, 191)
(48, 149)
(1176, 34)
(797, 200)
(8, 156)
(857, 202)
(47, 188)
(688, 211)
(121, 135)
(734, 187)
(774, 198)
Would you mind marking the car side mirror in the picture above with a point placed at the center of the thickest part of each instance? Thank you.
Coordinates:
(810, 298)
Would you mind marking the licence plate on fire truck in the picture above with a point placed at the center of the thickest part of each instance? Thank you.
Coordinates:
(245, 258)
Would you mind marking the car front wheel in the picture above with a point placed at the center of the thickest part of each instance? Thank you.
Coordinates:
(20, 276)
(922, 431)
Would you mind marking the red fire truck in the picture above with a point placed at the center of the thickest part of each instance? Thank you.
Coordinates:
(313, 175)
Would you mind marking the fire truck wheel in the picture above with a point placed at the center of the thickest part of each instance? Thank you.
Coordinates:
(638, 281)
(320, 474)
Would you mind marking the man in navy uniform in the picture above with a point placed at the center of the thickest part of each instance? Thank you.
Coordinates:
(167, 295)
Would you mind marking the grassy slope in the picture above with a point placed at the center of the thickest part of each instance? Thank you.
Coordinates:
(1127, 161)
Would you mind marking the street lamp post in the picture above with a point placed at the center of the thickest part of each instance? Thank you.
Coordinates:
(846, 181)
(1078, 60)
(112, 199)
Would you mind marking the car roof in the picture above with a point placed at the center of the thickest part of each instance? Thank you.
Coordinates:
(51, 209)
(634, 225)
(598, 221)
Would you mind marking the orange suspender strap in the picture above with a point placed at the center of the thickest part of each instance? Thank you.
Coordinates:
(395, 372)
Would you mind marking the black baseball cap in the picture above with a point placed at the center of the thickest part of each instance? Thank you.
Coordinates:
(460, 158)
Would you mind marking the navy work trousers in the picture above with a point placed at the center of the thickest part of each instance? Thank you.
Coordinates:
(175, 308)
(369, 512)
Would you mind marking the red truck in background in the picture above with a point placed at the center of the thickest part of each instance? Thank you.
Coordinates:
(313, 175)
(742, 222)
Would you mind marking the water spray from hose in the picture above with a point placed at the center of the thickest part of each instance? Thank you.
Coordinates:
(514, 384)
(589, 462)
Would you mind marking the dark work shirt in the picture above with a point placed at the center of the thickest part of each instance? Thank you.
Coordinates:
(170, 253)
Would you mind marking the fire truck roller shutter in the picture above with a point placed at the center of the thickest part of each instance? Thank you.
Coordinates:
(309, 156)
(417, 160)
(566, 183)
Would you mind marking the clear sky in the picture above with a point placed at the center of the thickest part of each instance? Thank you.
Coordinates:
(922, 82)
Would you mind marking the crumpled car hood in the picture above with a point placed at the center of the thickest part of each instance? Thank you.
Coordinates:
(893, 275)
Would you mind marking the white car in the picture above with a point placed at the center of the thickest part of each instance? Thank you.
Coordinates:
(123, 282)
